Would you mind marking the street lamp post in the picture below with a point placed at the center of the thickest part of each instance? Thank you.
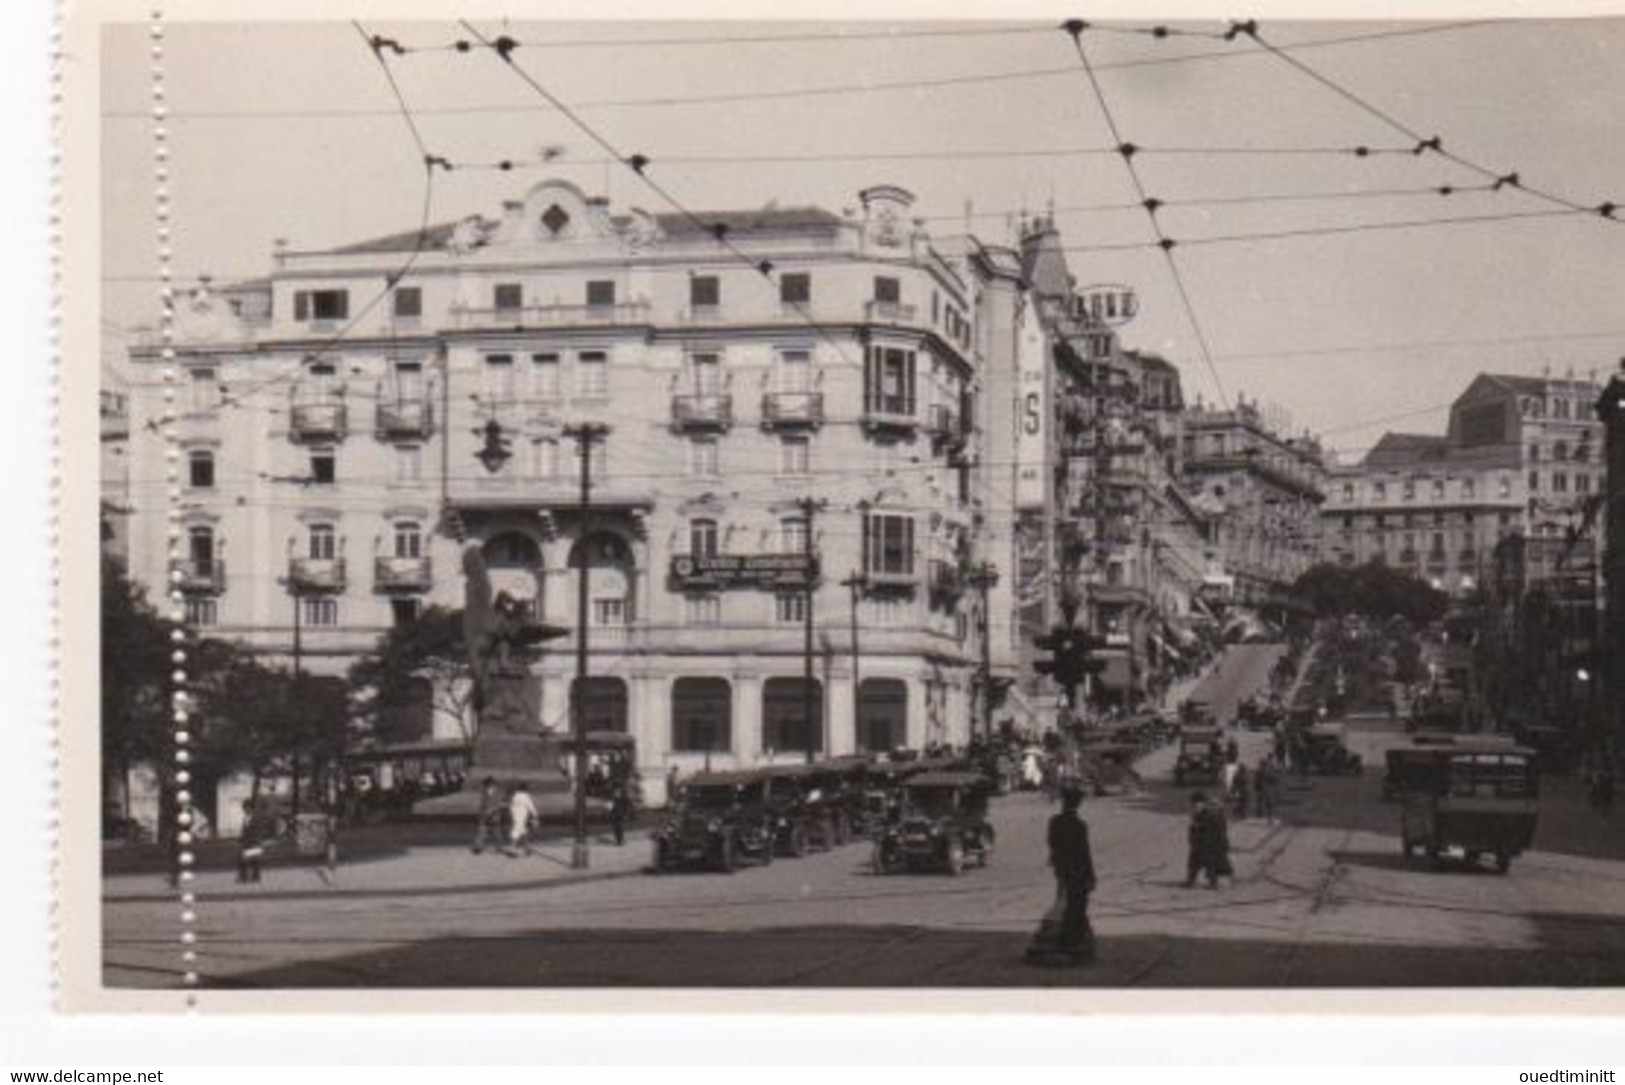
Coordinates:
(585, 436)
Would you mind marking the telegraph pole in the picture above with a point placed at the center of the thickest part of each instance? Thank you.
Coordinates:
(810, 507)
(855, 584)
(585, 436)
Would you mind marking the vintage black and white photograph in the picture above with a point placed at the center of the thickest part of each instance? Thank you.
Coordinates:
(907, 503)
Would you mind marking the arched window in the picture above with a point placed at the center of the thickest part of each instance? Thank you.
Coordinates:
(701, 715)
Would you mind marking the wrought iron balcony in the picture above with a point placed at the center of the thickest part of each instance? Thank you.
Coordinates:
(702, 410)
(947, 582)
(792, 409)
(404, 416)
(316, 574)
(401, 574)
(891, 312)
(318, 420)
(881, 581)
(553, 316)
(196, 577)
(883, 415)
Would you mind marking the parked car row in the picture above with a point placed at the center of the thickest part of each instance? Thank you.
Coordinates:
(917, 814)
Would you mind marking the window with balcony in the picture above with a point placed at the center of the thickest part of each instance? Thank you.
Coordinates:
(793, 535)
(546, 381)
(1560, 482)
(703, 538)
(408, 301)
(705, 374)
(702, 609)
(320, 611)
(1534, 482)
(795, 288)
(890, 384)
(794, 372)
(508, 297)
(200, 550)
(321, 542)
(704, 293)
(321, 305)
(200, 469)
(544, 458)
(499, 378)
(790, 608)
(204, 385)
(202, 610)
(795, 455)
(408, 463)
(703, 457)
(592, 375)
(600, 293)
(1582, 483)
(609, 612)
(888, 544)
(323, 467)
(408, 539)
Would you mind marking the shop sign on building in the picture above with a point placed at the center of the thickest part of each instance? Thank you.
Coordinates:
(727, 572)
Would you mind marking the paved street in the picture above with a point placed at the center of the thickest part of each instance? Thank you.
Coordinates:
(1322, 899)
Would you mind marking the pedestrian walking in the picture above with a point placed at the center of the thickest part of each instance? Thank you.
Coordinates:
(1241, 792)
(251, 841)
(620, 805)
(1065, 933)
(1209, 838)
(1267, 788)
(488, 827)
(522, 812)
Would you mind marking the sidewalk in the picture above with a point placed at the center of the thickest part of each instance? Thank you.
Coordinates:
(413, 870)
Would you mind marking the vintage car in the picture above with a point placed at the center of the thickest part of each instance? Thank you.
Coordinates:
(941, 825)
(1108, 767)
(720, 819)
(1326, 751)
(1201, 756)
(1479, 797)
(800, 814)
(1197, 713)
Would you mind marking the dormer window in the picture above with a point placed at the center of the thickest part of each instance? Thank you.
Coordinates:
(321, 305)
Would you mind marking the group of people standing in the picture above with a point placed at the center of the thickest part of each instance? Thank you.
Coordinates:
(512, 813)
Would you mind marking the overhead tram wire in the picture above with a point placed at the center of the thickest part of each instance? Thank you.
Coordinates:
(805, 92)
(376, 46)
(1075, 29)
(1513, 178)
(639, 164)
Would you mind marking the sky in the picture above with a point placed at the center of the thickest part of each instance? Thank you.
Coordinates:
(292, 132)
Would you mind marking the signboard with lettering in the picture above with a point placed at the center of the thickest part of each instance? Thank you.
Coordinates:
(729, 572)
(1032, 418)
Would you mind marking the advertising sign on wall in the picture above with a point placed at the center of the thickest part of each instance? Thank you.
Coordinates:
(728, 572)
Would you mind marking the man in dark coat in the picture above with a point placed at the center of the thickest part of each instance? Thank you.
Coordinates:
(488, 830)
(1074, 867)
(1209, 837)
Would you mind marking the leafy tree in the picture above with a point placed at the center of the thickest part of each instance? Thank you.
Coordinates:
(135, 710)
(419, 662)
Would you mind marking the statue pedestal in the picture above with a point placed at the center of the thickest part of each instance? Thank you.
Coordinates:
(509, 744)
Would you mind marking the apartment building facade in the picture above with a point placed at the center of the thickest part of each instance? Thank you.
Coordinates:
(767, 384)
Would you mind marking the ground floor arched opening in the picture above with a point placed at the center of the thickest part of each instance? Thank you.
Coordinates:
(882, 715)
(792, 715)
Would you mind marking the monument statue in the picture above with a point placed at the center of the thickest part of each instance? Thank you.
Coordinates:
(501, 635)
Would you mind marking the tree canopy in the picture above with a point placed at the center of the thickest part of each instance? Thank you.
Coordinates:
(1372, 590)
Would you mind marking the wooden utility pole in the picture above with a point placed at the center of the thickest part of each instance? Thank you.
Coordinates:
(585, 436)
(810, 507)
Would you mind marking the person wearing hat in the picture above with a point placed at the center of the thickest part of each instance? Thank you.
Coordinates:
(1209, 838)
(1074, 865)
